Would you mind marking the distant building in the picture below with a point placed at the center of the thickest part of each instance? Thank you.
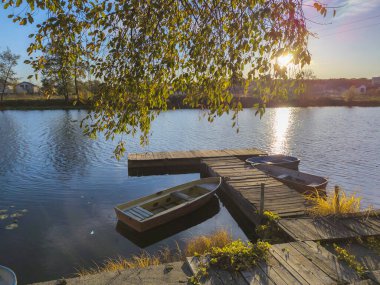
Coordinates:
(362, 89)
(376, 81)
(27, 88)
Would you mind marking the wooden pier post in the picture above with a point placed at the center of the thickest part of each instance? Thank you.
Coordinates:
(337, 198)
(262, 196)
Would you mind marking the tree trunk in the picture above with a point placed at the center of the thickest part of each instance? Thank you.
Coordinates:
(2, 92)
(65, 91)
(76, 86)
(76, 80)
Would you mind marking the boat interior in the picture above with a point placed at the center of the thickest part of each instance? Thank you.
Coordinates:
(167, 201)
(291, 178)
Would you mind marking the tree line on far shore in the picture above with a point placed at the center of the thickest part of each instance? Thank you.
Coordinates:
(58, 79)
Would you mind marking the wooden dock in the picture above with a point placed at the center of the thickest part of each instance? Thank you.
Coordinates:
(297, 263)
(242, 184)
(242, 187)
(331, 228)
(155, 163)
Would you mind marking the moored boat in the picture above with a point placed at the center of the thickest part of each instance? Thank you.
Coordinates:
(303, 182)
(159, 208)
(276, 159)
(7, 276)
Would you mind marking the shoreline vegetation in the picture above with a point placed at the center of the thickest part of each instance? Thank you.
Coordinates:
(36, 102)
(196, 245)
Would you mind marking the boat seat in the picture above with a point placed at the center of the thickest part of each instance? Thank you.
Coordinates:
(282, 176)
(181, 195)
(138, 213)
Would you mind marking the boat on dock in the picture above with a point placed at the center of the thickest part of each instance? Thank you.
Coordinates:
(303, 182)
(276, 159)
(159, 208)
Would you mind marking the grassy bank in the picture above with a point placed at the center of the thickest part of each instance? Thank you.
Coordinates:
(35, 102)
(197, 245)
(38, 102)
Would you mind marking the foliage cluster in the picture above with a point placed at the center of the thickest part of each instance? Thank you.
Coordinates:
(145, 51)
(373, 243)
(235, 256)
(268, 229)
(238, 255)
(350, 94)
(370, 242)
(350, 259)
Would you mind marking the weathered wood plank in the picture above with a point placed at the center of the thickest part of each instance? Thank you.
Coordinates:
(367, 257)
(278, 256)
(360, 226)
(244, 186)
(155, 163)
(374, 275)
(256, 276)
(316, 229)
(364, 282)
(293, 260)
(321, 262)
(194, 153)
(342, 270)
(374, 222)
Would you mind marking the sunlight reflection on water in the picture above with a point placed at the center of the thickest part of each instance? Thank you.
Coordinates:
(281, 121)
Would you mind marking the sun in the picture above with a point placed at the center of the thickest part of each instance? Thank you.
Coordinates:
(284, 60)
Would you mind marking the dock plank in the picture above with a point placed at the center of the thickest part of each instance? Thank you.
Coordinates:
(316, 229)
(244, 186)
(369, 258)
(176, 162)
(328, 228)
(375, 276)
(298, 263)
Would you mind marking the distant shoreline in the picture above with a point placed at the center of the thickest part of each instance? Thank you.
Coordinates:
(176, 102)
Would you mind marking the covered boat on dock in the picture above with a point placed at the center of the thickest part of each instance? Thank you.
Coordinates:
(276, 159)
(303, 182)
(159, 208)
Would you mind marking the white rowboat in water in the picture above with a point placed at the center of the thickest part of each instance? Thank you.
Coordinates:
(161, 207)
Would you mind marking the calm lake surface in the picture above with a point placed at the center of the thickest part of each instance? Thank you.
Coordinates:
(61, 187)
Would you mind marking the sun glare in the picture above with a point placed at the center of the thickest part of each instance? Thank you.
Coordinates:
(285, 60)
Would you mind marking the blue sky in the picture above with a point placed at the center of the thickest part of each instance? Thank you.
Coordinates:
(348, 45)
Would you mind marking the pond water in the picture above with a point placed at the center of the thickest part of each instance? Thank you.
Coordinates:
(58, 188)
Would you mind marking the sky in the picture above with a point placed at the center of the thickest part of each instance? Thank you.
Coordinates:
(346, 46)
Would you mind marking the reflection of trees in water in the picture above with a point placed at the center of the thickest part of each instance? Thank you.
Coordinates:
(70, 150)
(10, 142)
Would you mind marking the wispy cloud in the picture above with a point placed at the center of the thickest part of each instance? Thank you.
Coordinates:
(354, 7)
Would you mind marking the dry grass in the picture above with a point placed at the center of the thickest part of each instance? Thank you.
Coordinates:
(120, 263)
(195, 245)
(201, 244)
(337, 204)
